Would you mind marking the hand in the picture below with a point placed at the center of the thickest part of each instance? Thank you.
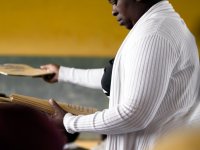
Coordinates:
(58, 115)
(52, 68)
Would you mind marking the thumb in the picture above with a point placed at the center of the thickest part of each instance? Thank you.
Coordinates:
(43, 67)
(55, 106)
(46, 67)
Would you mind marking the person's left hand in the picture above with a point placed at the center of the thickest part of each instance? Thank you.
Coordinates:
(58, 115)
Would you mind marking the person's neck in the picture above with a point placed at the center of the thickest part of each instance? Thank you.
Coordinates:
(140, 10)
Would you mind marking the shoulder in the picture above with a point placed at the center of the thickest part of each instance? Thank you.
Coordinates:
(170, 27)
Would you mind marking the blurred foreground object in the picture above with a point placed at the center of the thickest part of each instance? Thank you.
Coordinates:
(23, 128)
(182, 139)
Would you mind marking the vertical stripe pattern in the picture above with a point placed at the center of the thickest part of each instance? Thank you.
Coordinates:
(154, 83)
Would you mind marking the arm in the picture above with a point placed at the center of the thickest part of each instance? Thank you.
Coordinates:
(147, 72)
(85, 77)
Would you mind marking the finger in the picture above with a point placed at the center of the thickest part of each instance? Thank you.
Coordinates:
(55, 106)
(49, 77)
(45, 66)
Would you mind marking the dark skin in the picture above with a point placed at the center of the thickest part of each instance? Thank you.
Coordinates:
(127, 13)
(58, 115)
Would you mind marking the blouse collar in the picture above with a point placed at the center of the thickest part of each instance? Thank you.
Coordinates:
(161, 7)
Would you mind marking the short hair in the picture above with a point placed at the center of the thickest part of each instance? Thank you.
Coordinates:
(24, 128)
(148, 1)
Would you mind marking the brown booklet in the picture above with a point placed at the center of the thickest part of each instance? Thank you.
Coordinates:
(43, 105)
(22, 70)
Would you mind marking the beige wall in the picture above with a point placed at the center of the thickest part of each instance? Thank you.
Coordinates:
(68, 27)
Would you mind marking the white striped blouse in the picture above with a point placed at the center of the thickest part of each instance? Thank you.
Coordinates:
(153, 87)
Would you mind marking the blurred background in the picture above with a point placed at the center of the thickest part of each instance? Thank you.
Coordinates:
(79, 34)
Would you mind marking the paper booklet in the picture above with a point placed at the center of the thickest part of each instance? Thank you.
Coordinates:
(43, 105)
(22, 70)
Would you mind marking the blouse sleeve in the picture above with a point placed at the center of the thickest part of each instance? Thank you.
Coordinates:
(146, 77)
(90, 78)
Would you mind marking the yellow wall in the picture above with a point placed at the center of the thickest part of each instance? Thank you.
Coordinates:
(69, 27)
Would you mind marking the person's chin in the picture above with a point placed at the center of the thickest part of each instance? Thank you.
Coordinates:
(121, 23)
(127, 25)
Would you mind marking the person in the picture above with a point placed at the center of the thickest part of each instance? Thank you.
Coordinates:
(25, 128)
(154, 81)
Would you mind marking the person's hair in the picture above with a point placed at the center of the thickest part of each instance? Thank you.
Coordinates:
(146, 1)
(23, 128)
(152, 1)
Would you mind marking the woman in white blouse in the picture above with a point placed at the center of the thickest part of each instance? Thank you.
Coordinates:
(154, 80)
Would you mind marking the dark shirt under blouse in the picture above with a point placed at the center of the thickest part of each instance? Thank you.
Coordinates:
(106, 79)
